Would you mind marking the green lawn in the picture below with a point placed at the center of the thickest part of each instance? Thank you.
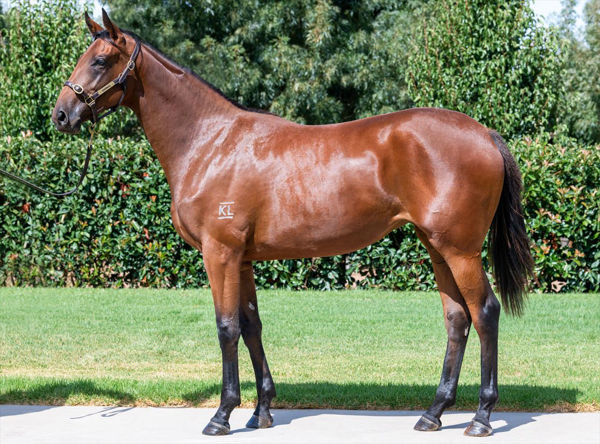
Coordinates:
(348, 349)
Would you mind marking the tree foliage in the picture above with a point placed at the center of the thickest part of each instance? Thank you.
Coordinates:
(582, 71)
(490, 60)
(313, 61)
(592, 38)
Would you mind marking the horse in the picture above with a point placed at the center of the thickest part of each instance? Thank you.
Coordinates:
(251, 186)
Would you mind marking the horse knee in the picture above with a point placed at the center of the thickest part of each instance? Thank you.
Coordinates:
(457, 326)
(228, 331)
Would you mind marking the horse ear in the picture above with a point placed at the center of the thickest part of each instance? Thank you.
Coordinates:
(94, 27)
(112, 29)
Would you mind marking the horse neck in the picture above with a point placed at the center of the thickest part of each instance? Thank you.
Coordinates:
(177, 111)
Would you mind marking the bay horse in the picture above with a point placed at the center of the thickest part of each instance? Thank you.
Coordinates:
(250, 186)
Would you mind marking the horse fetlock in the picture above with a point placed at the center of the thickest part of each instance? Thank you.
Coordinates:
(267, 392)
(230, 399)
(488, 397)
(445, 399)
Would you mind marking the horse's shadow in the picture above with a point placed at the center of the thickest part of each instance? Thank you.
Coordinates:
(410, 399)
(406, 399)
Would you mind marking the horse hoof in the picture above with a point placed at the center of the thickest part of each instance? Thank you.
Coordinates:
(260, 422)
(216, 429)
(477, 428)
(428, 424)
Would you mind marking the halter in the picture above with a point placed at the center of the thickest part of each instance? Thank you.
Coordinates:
(91, 99)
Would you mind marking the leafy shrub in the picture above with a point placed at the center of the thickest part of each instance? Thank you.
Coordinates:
(117, 230)
(38, 48)
(562, 211)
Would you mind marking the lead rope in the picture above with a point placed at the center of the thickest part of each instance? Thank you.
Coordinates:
(52, 193)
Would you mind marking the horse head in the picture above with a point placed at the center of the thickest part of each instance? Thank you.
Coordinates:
(98, 84)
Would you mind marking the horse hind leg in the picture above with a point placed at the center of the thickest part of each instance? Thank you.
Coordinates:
(458, 322)
(251, 327)
(484, 310)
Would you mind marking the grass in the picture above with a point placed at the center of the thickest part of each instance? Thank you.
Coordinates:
(348, 349)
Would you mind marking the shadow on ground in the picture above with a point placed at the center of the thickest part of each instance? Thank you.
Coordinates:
(318, 395)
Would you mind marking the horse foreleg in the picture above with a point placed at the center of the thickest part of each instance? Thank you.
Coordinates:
(223, 269)
(457, 322)
(251, 327)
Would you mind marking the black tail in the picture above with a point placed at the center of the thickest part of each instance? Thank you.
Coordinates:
(512, 263)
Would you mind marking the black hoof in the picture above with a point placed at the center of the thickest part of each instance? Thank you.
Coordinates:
(260, 422)
(477, 428)
(216, 429)
(428, 424)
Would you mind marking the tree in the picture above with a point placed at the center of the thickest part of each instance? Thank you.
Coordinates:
(491, 60)
(580, 112)
(313, 61)
(1, 25)
(592, 37)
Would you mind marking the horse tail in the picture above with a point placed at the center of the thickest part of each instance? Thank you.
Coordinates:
(512, 264)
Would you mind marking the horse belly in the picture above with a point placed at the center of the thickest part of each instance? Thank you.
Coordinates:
(341, 215)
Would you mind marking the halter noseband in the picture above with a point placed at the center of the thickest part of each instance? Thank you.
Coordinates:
(91, 99)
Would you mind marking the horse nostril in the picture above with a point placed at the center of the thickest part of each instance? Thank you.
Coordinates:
(61, 118)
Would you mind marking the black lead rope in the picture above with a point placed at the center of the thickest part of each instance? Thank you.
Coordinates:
(52, 193)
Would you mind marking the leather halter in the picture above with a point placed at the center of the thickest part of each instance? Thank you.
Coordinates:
(91, 99)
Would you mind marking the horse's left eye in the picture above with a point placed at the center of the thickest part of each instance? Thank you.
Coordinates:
(100, 62)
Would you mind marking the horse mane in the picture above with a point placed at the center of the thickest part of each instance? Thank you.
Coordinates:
(104, 35)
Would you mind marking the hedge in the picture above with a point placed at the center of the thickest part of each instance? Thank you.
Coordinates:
(117, 232)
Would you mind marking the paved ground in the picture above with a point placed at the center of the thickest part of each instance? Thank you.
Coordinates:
(117, 425)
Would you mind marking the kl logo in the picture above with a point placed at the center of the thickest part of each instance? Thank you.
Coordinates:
(225, 210)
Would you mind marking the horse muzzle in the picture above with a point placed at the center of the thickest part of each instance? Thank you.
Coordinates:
(68, 120)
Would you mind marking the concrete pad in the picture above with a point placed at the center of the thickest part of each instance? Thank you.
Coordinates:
(123, 425)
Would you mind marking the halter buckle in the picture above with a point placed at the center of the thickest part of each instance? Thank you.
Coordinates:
(77, 88)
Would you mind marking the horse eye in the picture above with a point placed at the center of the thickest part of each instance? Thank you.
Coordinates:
(101, 62)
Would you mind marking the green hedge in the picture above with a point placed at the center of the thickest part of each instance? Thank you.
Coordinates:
(562, 211)
(117, 230)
